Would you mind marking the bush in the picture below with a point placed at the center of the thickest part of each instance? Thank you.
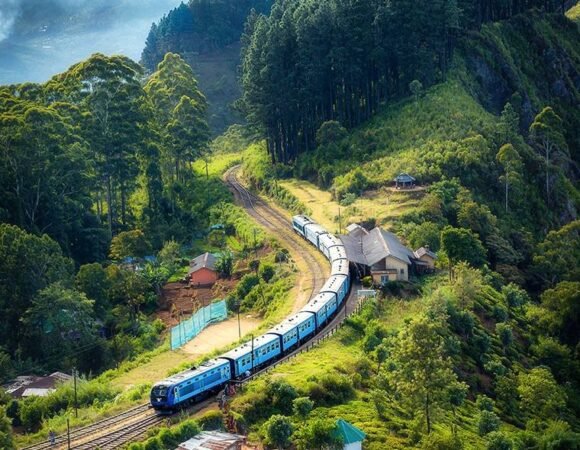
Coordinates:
(267, 272)
(445, 441)
(505, 334)
(484, 403)
(302, 406)
(332, 389)
(211, 420)
(347, 199)
(488, 422)
(498, 441)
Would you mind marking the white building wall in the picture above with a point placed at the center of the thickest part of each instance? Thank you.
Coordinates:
(353, 446)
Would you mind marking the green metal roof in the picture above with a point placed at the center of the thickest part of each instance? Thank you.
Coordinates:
(349, 433)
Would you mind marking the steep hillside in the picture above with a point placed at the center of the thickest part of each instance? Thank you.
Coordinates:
(206, 33)
(493, 336)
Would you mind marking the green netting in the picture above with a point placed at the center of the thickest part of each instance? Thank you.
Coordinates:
(188, 329)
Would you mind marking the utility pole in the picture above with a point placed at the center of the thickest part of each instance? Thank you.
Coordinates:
(68, 432)
(239, 324)
(75, 385)
(255, 244)
(252, 353)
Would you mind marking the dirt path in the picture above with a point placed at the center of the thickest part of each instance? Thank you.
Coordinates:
(220, 335)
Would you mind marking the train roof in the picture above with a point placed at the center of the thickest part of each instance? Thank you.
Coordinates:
(302, 219)
(330, 240)
(187, 374)
(318, 302)
(337, 252)
(290, 323)
(333, 283)
(246, 348)
(315, 228)
(339, 267)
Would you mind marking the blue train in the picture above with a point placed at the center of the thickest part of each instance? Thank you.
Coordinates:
(192, 385)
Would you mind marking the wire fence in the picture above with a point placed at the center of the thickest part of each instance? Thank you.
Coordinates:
(190, 328)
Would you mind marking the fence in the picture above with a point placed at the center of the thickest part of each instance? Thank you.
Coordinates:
(190, 328)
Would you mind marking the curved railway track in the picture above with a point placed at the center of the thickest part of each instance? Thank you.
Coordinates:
(119, 430)
(280, 225)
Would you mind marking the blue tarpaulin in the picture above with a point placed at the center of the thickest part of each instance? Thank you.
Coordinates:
(190, 328)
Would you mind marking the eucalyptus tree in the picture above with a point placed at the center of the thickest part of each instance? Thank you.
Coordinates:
(109, 89)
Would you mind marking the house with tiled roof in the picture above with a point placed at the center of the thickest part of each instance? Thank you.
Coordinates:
(381, 254)
(202, 270)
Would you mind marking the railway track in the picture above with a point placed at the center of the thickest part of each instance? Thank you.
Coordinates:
(279, 224)
(119, 430)
(95, 428)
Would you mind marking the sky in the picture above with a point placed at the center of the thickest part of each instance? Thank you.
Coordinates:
(40, 38)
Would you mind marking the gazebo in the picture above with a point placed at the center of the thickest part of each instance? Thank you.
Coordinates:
(350, 435)
(404, 180)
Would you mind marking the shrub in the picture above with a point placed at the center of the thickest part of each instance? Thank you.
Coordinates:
(484, 403)
(488, 422)
(348, 199)
(211, 420)
(332, 389)
(498, 441)
(505, 334)
(267, 272)
(367, 281)
(302, 406)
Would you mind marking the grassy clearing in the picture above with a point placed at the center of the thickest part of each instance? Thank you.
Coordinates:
(574, 13)
(217, 164)
(384, 205)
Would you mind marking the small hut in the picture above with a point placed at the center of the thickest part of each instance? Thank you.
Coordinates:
(404, 181)
(350, 435)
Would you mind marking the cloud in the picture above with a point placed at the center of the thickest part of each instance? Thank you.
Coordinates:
(9, 10)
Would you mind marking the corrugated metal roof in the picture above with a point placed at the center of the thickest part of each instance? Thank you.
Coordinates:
(424, 251)
(404, 178)
(206, 260)
(213, 440)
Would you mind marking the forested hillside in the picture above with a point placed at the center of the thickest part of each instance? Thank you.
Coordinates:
(206, 33)
(311, 62)
(93, 157)
(481, 106)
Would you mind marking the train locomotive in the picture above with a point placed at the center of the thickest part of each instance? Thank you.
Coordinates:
(192, 385)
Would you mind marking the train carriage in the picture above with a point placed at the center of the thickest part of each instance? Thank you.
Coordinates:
(266, 348)
(312, 232)
(190, 385)
(337, 285)
(336, 253)
(319, 306)
(340, 267)
(326, 242)
(298, 223)
(294, 330)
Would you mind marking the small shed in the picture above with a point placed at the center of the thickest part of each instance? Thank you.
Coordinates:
(404, 181)
(32, 385)
(213, 440)
(350, 435)
(202, 271)
(425, 259)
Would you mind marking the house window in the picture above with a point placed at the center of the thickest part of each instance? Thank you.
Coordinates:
(402, 271)
(384, 278)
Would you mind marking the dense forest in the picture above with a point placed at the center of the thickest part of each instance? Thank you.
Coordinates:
(201, 26)
(311, 62)
(92, 157)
